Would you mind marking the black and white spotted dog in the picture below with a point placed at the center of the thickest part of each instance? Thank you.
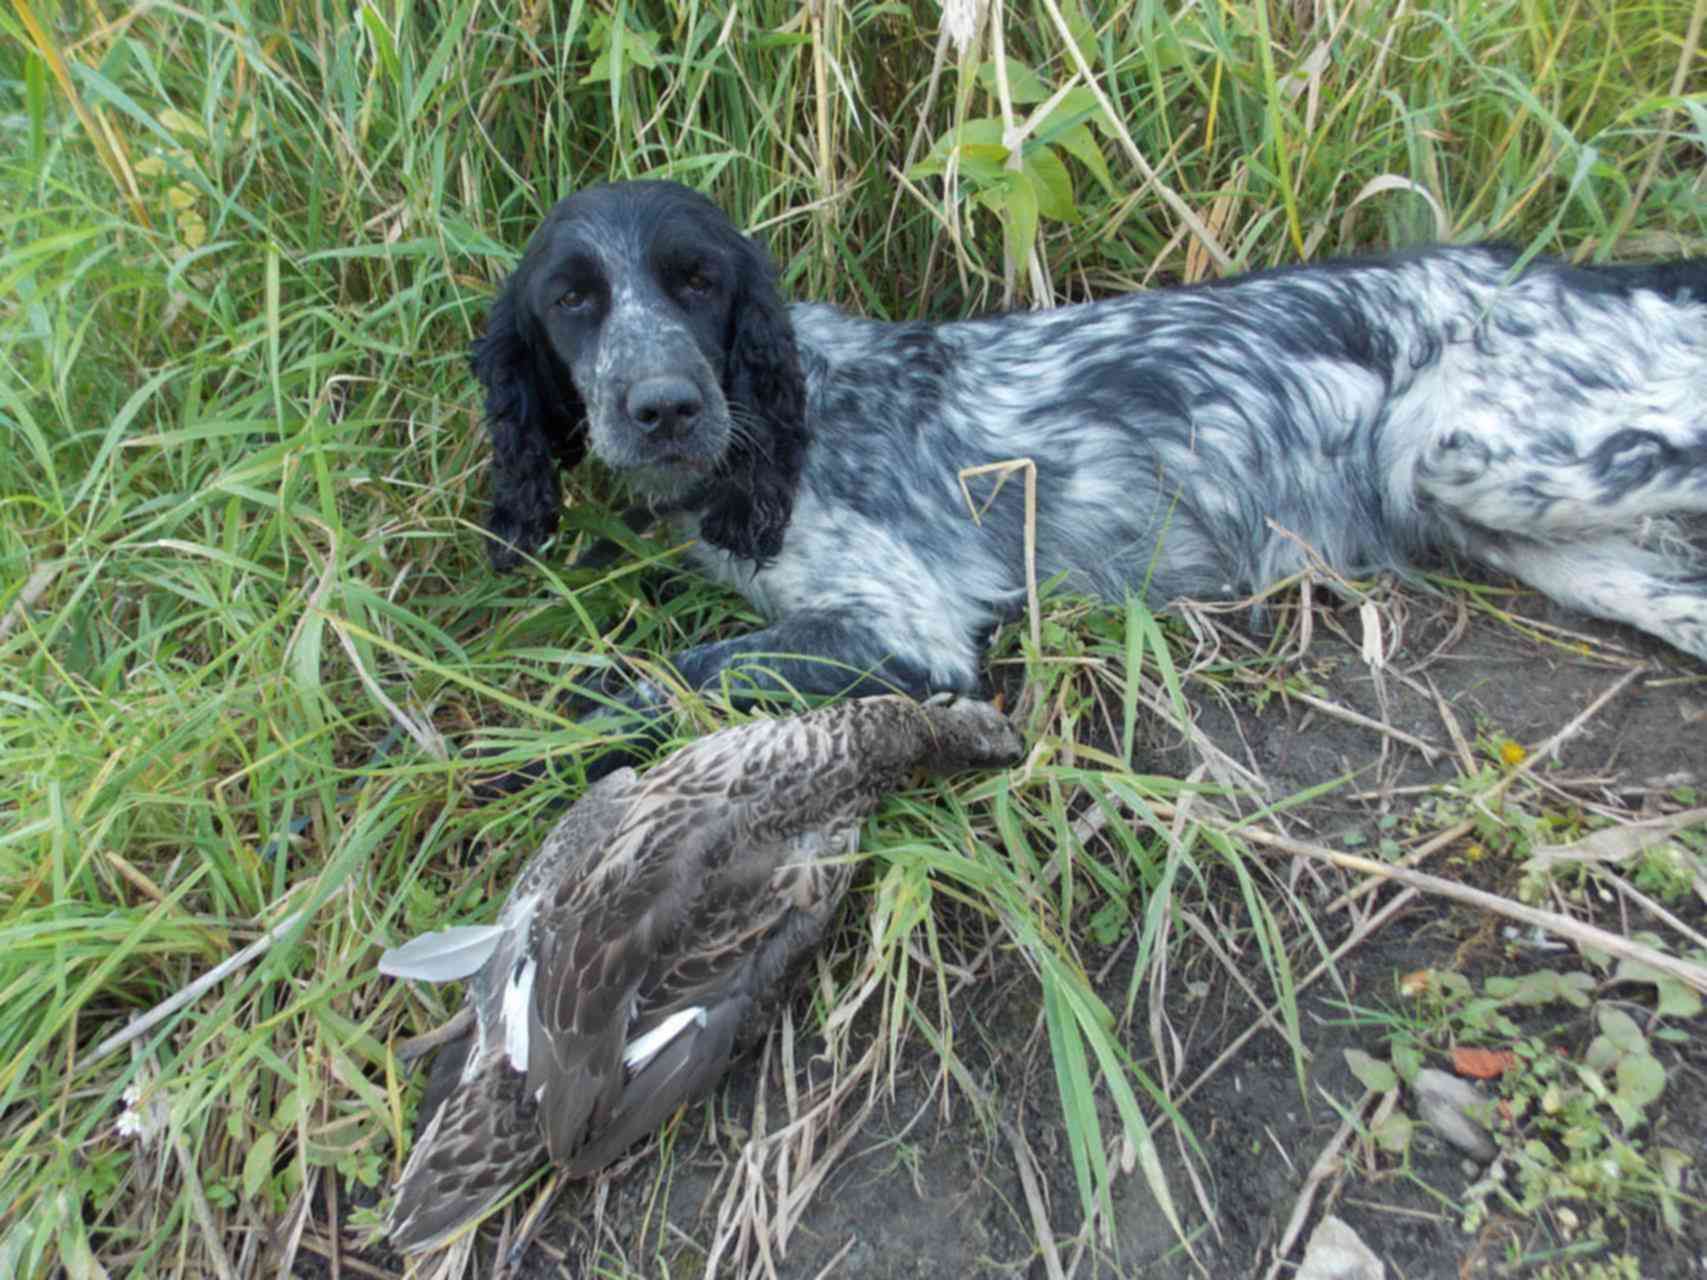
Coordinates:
(1549, 422)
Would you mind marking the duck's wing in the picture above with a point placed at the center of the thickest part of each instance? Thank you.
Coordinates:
(592, 948)
(686, 1065)
(477, 1131)
(753, 922)
(717, 998)
(601, 926)
(580, 842)
(663, 1000)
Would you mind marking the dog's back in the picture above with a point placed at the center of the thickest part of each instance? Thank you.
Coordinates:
(1207, 442)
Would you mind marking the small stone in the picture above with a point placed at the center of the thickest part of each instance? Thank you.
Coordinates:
(1450, 1106)
(1335, 1252)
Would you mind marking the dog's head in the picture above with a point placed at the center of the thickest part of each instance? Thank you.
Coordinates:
(643, 327)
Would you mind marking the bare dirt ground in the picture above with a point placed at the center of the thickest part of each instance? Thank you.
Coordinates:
(933, 1188)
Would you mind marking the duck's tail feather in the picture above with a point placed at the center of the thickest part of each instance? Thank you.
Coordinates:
(478, 1144)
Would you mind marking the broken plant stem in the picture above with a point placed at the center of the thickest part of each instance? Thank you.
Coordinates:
(139, 1027)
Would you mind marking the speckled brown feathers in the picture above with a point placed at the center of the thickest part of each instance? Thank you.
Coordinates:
(647, 944)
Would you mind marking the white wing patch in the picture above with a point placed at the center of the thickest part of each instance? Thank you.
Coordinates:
(518, 1002)
(643, 1049)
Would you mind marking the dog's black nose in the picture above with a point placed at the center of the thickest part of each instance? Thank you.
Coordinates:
(665, 406)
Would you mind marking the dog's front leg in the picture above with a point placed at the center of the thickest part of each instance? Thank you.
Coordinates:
(817, 654)
(806, 655)
(811, 655)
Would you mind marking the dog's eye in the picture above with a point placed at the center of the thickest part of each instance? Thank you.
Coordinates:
(573, 299)
(696, 282)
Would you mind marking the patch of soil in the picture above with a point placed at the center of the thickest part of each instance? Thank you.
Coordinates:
(928, 1188)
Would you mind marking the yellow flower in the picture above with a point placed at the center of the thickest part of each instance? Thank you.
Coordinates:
(1512, 753)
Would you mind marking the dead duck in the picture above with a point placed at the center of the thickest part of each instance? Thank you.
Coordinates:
(647, 944)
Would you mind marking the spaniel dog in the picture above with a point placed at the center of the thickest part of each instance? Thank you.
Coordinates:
(1547, 420)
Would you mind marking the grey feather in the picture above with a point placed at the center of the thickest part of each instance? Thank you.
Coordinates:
(443, 956)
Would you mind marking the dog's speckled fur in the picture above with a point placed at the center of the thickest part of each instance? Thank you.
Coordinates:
(1550, 422)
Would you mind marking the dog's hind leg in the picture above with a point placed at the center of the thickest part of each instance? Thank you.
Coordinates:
(1602, 522)
(1614, 465)
(1661, 593)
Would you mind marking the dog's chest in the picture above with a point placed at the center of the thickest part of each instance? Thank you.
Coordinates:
(923, 590)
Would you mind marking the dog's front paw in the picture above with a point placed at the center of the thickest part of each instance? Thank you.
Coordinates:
(515, 537)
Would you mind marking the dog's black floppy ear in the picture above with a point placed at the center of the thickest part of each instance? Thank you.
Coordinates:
(767, 396)
(537, 423)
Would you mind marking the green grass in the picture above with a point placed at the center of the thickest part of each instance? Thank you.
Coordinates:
(248, 635)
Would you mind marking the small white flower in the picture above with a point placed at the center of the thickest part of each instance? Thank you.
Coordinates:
(145, 1110)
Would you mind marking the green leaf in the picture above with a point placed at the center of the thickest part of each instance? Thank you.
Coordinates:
(1407, 1061)
(1641, 1079)
(600, 71)
(1015, 201)
(181, 123)
(1024, 84)
(258, 1164)
(642, 48)
(383, 44)
(1371, 1072)
(289, 1109)
(979, 165)
(1452, 985)
(1394, 1133)
(305, 655)
(984, 164)
(1598, 1059)
(1109, 922)
(1066, 127)
(1675, 999)
(1621, 1029)
(1672, 1163)
(1541, 988)
(983, 157)
(620, 48)
(1078, 1102)
(1051, 181)
(1629, 1114)
(1076, 107)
